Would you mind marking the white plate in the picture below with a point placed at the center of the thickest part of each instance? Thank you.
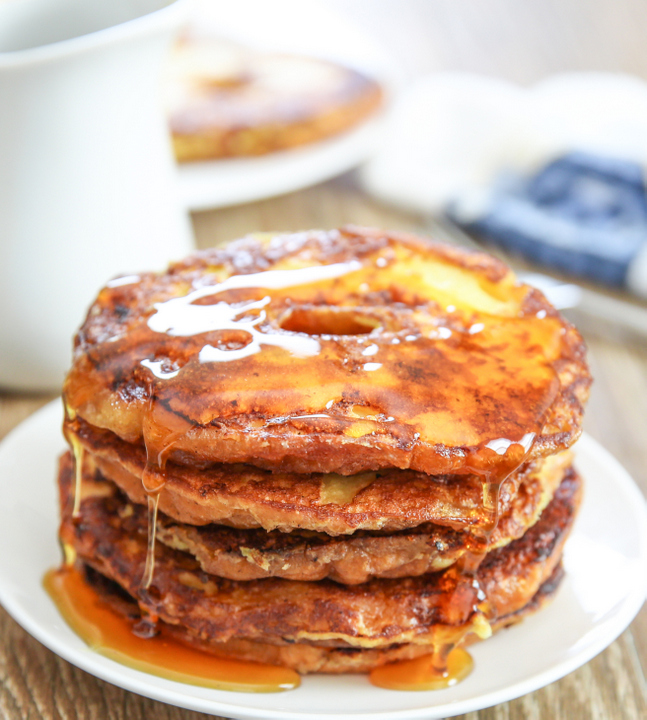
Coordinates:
(302, 27)
(589, 612)
(219, 183)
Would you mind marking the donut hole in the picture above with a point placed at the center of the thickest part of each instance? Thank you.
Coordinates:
(329, 321)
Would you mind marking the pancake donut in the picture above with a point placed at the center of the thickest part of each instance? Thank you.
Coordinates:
(227, 101)
(328, 450)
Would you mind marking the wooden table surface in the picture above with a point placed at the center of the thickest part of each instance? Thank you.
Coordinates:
(519, 39)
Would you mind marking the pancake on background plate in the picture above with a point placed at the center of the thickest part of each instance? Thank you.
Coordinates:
(225, 100)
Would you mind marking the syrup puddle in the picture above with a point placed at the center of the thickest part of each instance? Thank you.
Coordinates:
(111, 635)
(422, 673)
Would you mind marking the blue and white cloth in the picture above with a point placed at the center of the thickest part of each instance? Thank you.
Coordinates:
(583, 214)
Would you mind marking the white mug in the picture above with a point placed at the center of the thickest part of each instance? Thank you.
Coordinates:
(87, 178)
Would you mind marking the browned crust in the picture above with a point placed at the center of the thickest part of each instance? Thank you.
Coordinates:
(108, 387)
(371, 615)
(306, 658)
(250, 554)
(247, 117)
(246, 497)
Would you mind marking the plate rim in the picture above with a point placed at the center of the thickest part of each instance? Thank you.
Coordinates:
(351, 147)
(176, 694)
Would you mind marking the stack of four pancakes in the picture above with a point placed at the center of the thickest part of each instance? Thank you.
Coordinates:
(326, 450)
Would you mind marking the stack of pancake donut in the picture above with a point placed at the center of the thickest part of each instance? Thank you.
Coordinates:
(324, 450)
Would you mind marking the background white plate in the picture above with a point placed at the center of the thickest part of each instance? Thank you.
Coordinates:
(219, 183)
(302, 27)
(590, 610)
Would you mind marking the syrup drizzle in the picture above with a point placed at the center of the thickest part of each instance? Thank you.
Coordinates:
(162, 429)
(77, 454)
(449, 664)
(149, 568)
(182, 317)
(514, 453)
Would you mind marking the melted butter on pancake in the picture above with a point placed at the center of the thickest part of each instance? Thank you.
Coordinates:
(342, 489)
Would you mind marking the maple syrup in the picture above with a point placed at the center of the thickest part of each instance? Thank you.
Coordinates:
(427, 672)
(111, 634)
(161, 430)
(149, 567)
(77, 454)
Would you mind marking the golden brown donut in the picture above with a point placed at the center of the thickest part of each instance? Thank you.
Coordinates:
(225, 100)
(344, 351)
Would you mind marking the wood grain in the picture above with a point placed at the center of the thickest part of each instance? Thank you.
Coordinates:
(520, 40)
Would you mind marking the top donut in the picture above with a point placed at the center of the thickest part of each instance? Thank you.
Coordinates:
(331, 351)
